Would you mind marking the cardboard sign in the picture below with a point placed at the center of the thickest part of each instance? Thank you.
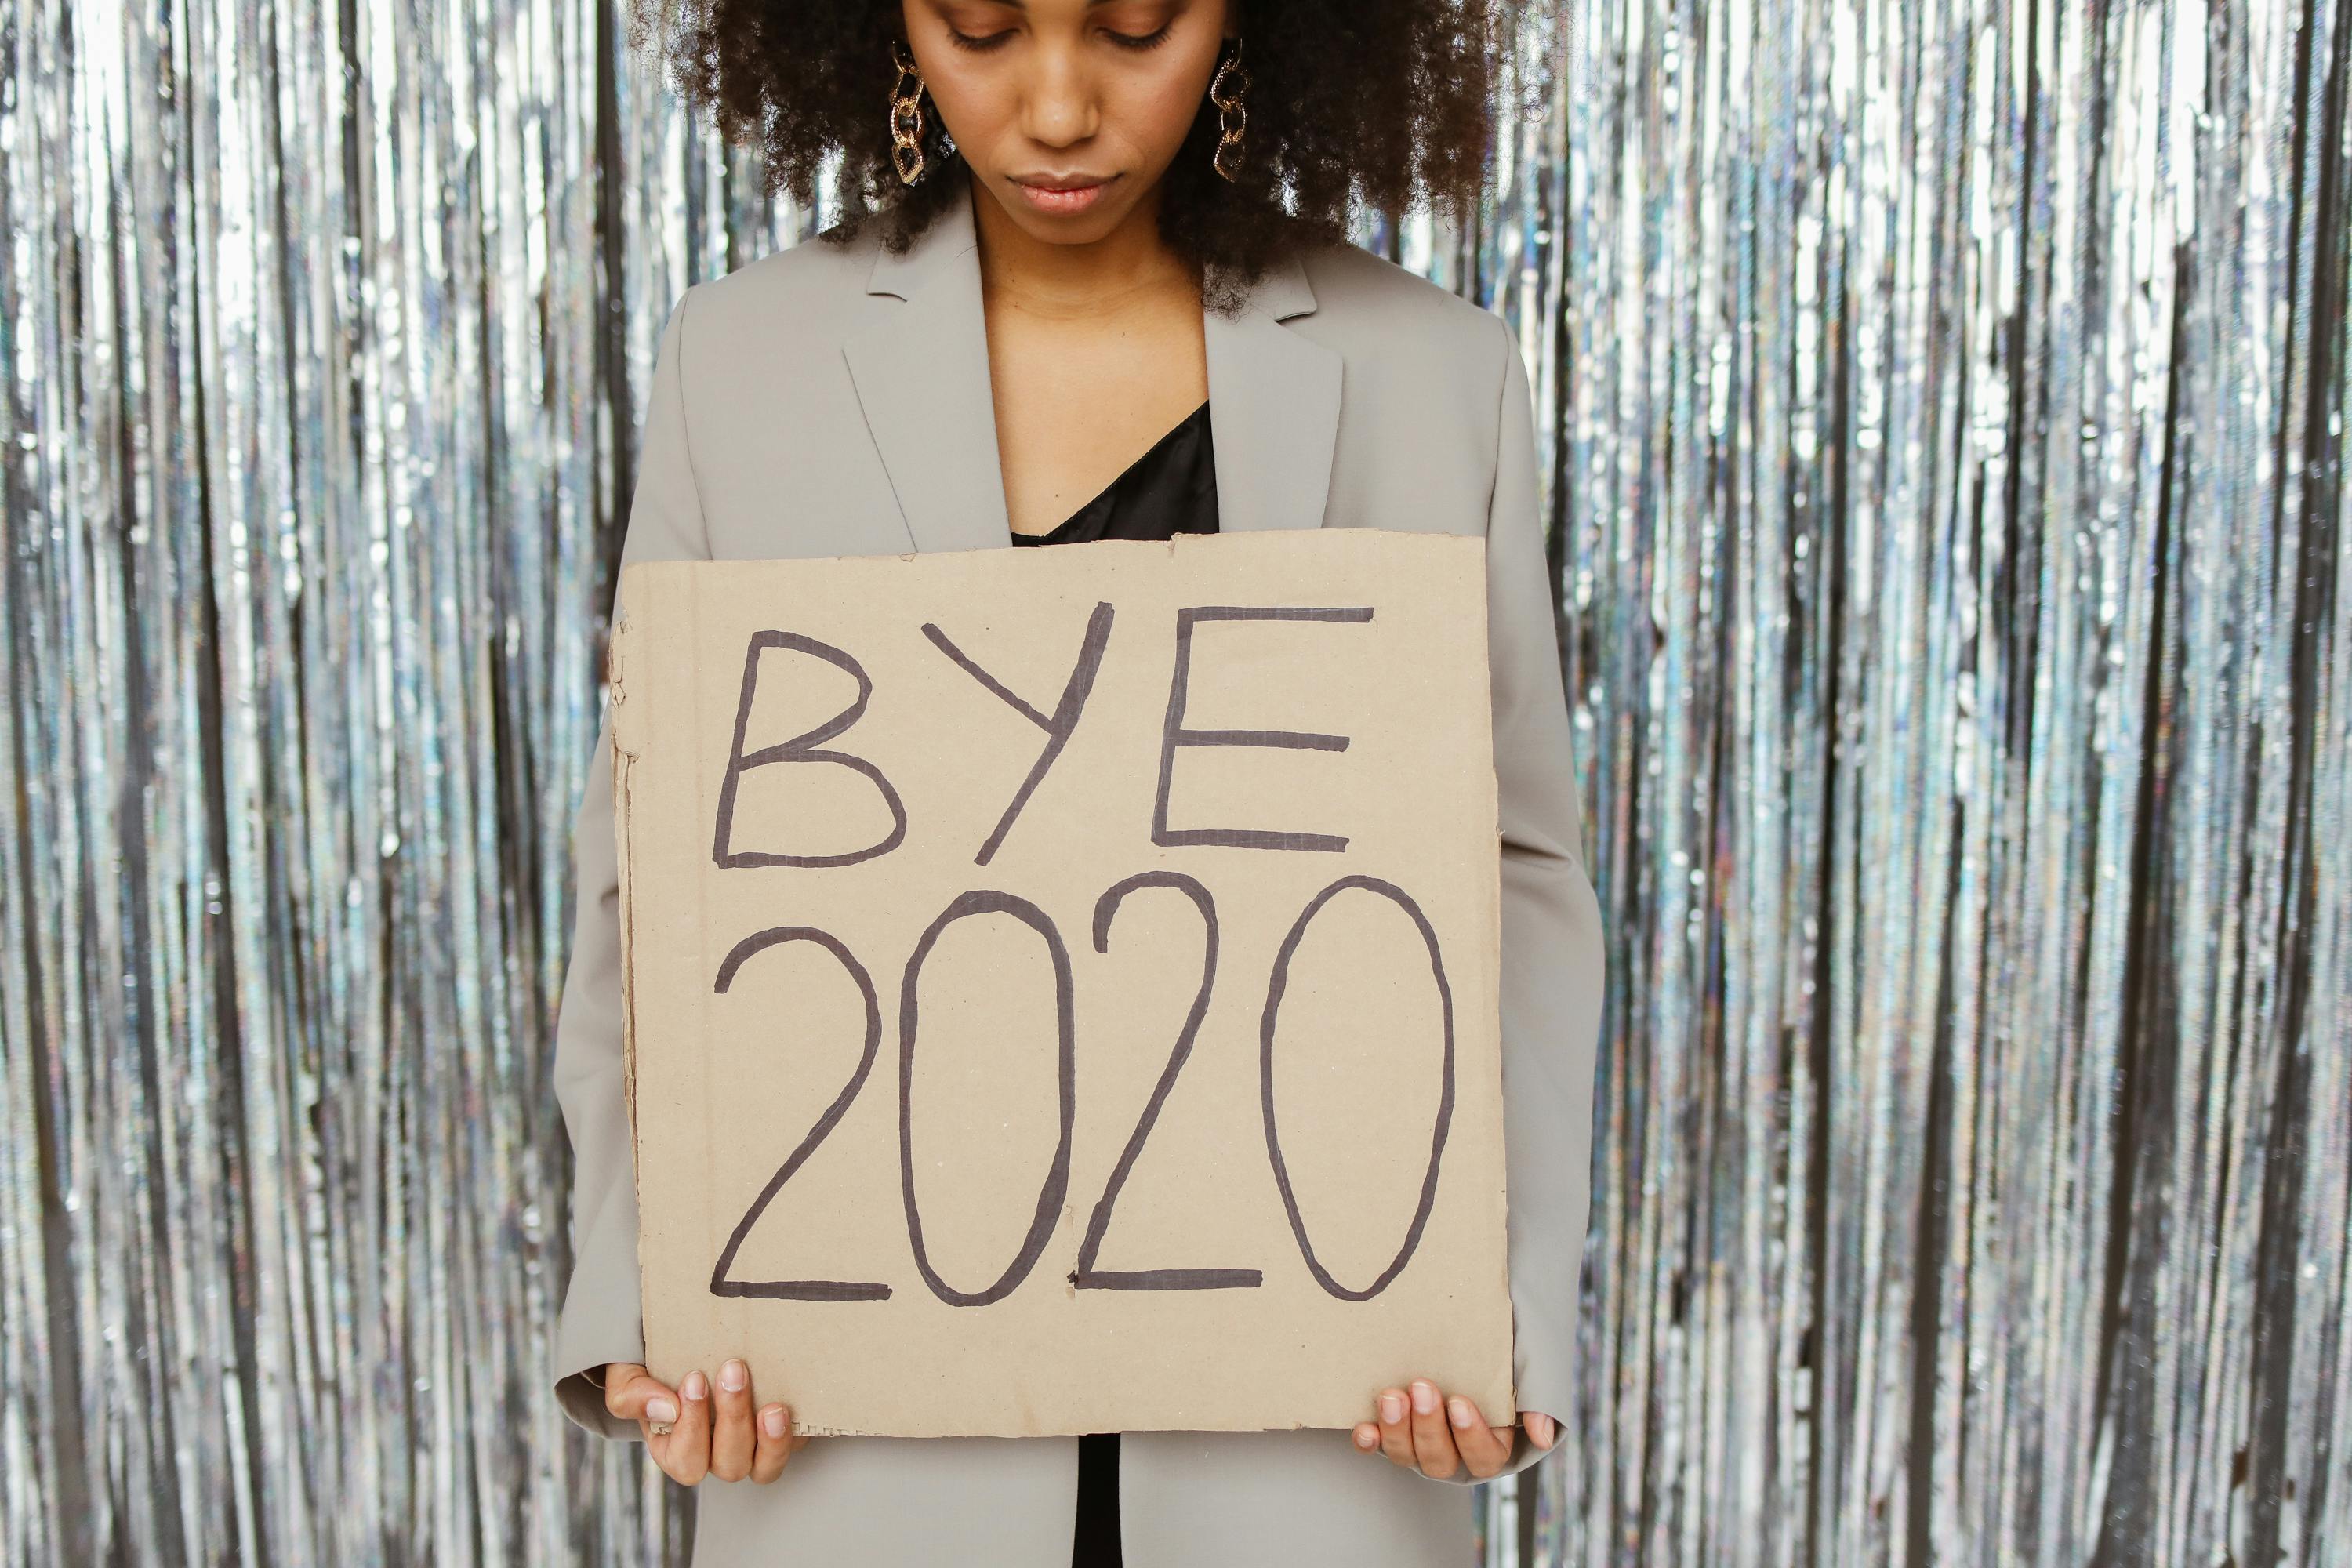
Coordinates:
(1062, 984)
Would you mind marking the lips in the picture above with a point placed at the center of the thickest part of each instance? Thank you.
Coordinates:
(1061, 195)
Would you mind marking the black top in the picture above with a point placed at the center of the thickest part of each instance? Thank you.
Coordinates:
(1171, 490)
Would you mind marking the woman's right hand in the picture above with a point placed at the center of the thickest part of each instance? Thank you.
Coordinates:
(689, 1438)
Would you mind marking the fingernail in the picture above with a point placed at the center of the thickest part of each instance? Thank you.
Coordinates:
(1461, 1408)
(1366, 1437)
(774, 1422)
(1425, 1398)
(730, 1377)
(660, 1409)
(1392, 1408)
(696, 1385)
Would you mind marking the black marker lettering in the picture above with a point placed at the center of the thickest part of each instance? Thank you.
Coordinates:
(799, 749)
(1173, 733)
(1057, 1179)
(1086, 1276)
(1274, 987)
(801, 1290)
(1057, 728)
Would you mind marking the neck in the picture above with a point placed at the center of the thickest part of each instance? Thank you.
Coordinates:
(1126, 267)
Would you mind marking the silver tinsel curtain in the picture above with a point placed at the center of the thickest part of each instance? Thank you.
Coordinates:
(1945, 402)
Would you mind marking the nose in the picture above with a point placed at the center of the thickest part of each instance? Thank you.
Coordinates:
(1058, 106)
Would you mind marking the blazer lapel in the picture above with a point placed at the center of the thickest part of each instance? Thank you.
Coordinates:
(922, 381)
(1274, 408)
(921, 375)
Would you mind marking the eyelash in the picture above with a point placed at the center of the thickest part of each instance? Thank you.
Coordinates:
(1141, 42)
(1134, 42)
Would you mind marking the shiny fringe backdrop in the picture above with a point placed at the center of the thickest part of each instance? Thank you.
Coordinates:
(1945, 402)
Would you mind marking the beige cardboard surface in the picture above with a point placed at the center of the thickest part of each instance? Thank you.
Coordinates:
(870, 1002)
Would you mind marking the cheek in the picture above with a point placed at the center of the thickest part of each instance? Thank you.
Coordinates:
(1156, 115)
(1150, 113)
(975, 111)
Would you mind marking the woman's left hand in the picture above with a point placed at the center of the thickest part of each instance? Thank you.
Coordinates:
(1422, 1430)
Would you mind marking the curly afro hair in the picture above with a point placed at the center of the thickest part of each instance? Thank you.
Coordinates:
(1387, 102)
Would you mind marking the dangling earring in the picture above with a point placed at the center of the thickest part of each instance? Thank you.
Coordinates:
(906, 116)
(1232, 116)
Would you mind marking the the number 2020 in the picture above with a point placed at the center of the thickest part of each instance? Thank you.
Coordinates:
(1054, 1188)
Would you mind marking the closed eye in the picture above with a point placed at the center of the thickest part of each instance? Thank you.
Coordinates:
(1135, 42)
(1142, 41)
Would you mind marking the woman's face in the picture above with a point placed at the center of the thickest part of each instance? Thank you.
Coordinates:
(1068, 111)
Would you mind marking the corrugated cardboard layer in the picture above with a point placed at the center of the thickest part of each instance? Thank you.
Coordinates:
(752, 952)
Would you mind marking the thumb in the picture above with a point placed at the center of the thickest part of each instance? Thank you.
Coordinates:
(634, 1395)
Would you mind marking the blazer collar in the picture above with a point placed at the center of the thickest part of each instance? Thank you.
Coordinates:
(922, 380)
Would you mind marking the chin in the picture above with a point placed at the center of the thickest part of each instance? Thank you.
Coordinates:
(1068, 231)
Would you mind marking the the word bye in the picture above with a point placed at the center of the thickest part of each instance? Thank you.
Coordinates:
(809, 745)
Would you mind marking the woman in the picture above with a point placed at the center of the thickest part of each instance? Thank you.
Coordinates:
(1079, 308)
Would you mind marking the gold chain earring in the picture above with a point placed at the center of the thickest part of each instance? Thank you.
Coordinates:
(906, 116)
(1233, 117)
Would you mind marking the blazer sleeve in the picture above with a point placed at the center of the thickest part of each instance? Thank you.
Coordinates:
(1552, 958)
(600, 1322)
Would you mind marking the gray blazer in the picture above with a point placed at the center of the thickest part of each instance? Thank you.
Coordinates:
(836, 401)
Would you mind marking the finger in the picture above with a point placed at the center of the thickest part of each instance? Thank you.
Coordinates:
(685, 1454)
(731, 1437)
(776, 1444)
(618, 1376)
(1482, 1447)
(1432, 1441)
(1542, 1430)
(1396, 1428)
(630, 1392)
(658, 1413)
(1368, 1437)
